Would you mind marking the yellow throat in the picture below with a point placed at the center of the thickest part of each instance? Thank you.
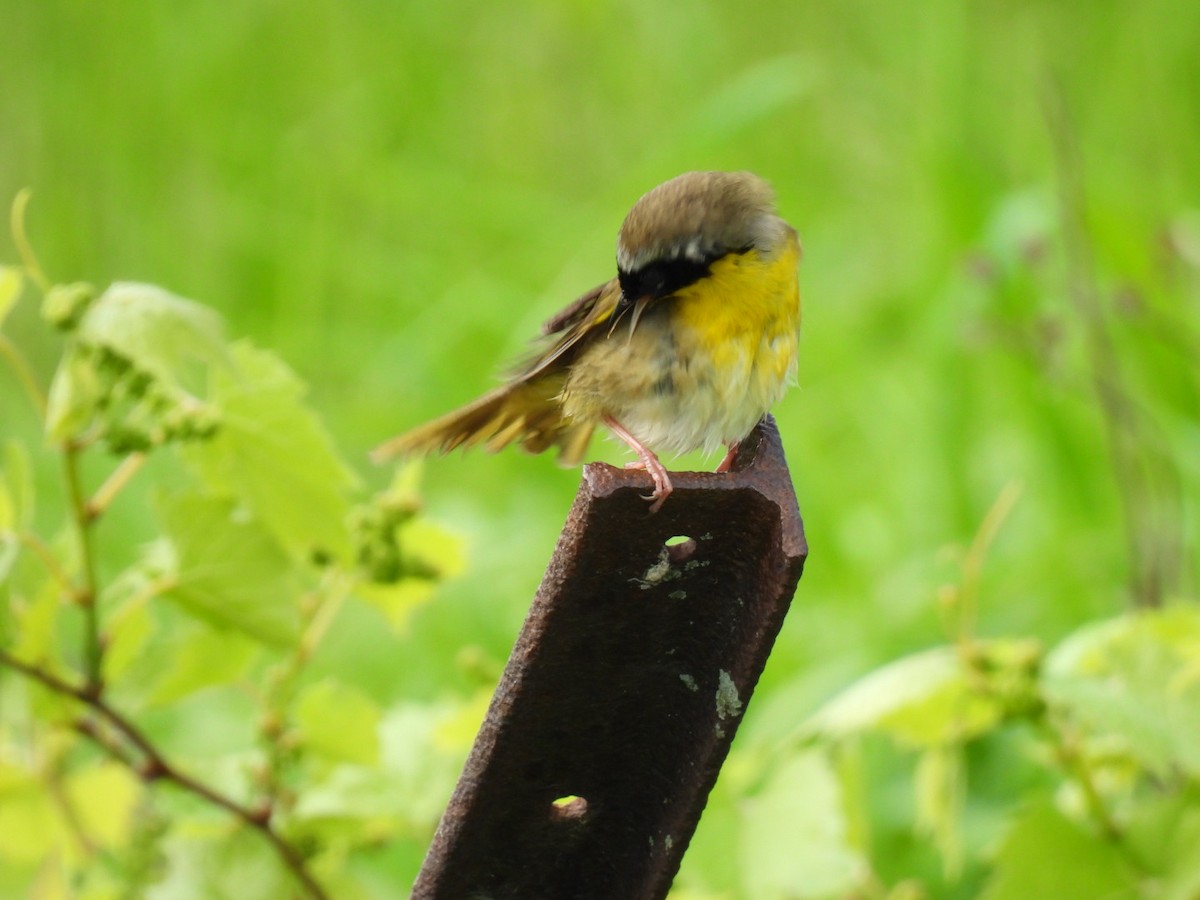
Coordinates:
(704, 365)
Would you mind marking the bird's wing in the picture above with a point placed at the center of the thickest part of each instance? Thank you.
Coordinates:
(526, 409)
(576, 323)
(574, 311)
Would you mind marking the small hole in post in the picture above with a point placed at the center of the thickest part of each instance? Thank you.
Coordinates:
(569, 807)
(680, 548)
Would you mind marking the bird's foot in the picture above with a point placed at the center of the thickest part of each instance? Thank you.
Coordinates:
(648, 462)
(727, 463)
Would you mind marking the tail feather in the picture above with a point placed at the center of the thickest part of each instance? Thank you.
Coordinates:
(525, 412)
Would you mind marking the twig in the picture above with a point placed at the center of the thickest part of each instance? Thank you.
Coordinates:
(86, 595)
(1066, 751)
(90, 729)
(112, 486)
(1071, 760)
(149, 591)
(1149, 562)
(324, 603)
(24, 247)
(39, 549)
(976, 555)
(154, 767)
(44, 678)
(330, 598)
(69, 813)
(24, 373)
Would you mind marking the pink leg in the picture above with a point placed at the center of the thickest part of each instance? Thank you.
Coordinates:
(647, 461)
(727, 462)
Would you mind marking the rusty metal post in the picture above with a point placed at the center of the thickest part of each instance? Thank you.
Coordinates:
(625, 687)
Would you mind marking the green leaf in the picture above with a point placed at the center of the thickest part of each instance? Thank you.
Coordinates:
(16, 504)
(339, 722)
(36, 625)
(941, 794)
(75, 394)
(10, 290)
(229, 570)
(203, 657)
(28, 818)
(125, 638)
(8, 507)
(359, 810)
(18, 475)
(272, 452)
(409, 788)
(1164, 834)
(230, 864)
(104, 797)
(350, 794)
(397, 601)
(455, 732)
(156, 331)
(712, 859)
(1046, 855)
(413, 781)
(794, 836)
(1133, 678)
(130, 626)
(921, 700)
(10, 547)
(64, 304)
(430, 549)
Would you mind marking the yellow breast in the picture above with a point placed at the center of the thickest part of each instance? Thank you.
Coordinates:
(705, 364)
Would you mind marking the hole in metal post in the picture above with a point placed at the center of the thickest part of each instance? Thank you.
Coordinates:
(569, 807)
(680, 548)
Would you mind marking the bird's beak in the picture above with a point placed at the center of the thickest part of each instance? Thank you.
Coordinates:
(639, 307)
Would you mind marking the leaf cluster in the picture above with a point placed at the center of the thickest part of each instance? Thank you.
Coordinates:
(1070, 771)
(263, 541)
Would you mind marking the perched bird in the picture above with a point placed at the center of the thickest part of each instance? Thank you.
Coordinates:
(686, 348)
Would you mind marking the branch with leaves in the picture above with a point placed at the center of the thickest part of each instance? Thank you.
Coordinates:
(259, 551)
(1096, 741)
(150, 766)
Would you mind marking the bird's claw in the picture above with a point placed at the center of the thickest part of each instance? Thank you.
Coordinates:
(647, 461)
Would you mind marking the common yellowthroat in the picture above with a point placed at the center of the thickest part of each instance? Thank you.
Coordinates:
(686, 348)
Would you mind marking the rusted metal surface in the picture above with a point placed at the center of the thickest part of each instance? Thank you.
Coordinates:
(625, 688)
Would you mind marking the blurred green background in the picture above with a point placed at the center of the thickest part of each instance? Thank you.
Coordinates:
(999, 202)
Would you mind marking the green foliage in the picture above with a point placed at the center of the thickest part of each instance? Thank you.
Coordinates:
(1137, 678)
(1106, 730)
(1045, 854)
(256, 556)
(228, 571)
(784, 844)
(273, 453)
(1002, 299)
(10, 290)
(130, 352)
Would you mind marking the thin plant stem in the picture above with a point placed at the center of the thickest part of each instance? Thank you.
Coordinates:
(1151, 544)
(20, 366)
(39, 549)
(112, 486)
(1076, 766)
(977, 553)
(24, 247)
(86, 595)
(153, 766)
